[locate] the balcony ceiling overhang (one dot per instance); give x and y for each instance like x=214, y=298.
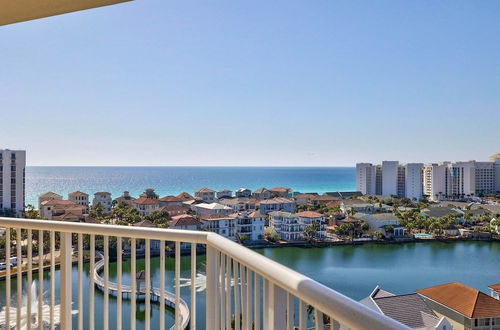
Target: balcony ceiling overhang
x=15, y=11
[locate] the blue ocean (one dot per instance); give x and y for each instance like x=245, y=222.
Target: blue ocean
x=173, y=180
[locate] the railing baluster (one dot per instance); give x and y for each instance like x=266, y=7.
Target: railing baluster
x=228, y=293
x=265, y=303
x=243, y=296
x=249, y=300
x=162, y=285
x=319, y=319
x=52, y=277
x=193, y=286
x=290, y=312
x=19, y=273
x=217, y=299
x=277, y=308
x=211, y=289
x=237, y=299
x=256, y=301
x=91, y=283
x=105, y=318
x=29, y=282
x=302, y=315
x=40, y=279
x=7, y=277
x=80, y=281
x=119, y=284
x=147, y=296
x=222, y=288
x=65, y=281
x=132, y=282
x=177, y=285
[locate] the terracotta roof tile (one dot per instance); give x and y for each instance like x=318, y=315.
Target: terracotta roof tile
x=185, y=196
x=204, y=190
x=463, y=299
x=171, y=199
x=495, y=287
x=184, y=220
x=146, y=201
x=55, y=202
x=309, y=214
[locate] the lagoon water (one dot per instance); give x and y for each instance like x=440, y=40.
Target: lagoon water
x=173, y=180
x=351, y=270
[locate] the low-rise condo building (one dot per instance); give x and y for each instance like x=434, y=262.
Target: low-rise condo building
x=286, y=225
x=465, y=308
x=206, y=195
x=124, y=199
x=243, y=192
x=48, y=196
x=315, y=219
x=290, y=226
x=240, y=204
x=249, y=225
x=277, y=204
x=64, y=210
x=80, y=198
x=261, y=193
x=186, y=222
x=280, y=192
x=205, y=209
x=225, y=193
x=170, y=200
x=103, y=199
x=146, y=206
x=221, y=224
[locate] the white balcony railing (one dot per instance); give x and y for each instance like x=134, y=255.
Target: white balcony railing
x=239, y=281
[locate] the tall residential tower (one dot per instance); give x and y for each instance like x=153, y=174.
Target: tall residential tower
x=12, y=180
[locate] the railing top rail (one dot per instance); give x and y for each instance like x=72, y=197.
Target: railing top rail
x=347, y=311
x=189, y=236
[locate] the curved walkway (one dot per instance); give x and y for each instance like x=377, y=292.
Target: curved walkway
x=155, y=293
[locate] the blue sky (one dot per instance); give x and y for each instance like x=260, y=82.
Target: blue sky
x=296, y=83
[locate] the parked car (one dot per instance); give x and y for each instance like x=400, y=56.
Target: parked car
x=3, y=266
x=13, y=261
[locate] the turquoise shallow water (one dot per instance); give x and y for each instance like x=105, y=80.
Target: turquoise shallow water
x=173, y=180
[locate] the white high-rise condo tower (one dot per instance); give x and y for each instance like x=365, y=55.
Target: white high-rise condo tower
x=12, y=181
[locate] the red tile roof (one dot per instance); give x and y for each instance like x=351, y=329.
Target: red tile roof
x=146, y=201
x=184, y=220
x=280, y=189
x=144, y=223
x=495, y=287
x=78, y=193
x=185, y=196
x=55, y=202
x=276, y=200
x=204, y=190
x=171, y=199
x=309, y=214
x=463, y=299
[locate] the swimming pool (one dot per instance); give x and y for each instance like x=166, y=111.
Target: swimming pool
x=423, y=235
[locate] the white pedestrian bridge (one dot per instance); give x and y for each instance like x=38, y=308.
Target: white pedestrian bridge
x=263, y=293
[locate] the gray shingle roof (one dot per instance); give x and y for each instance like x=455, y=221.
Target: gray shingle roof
x=409, y=309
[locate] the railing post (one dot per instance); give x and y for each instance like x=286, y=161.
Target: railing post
x=65, y=280
x=211, y=298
